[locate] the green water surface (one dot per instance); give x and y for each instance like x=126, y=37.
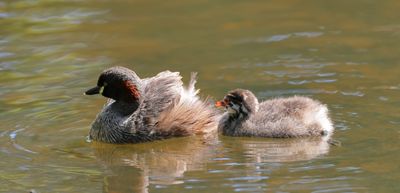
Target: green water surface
x=343, y=53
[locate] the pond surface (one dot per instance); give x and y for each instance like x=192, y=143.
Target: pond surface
x=345, y=54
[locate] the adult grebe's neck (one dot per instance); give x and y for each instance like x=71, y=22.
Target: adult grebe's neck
x=124, y=108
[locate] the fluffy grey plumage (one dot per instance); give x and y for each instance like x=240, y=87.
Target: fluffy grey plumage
x=280, y=118
x=141, y=110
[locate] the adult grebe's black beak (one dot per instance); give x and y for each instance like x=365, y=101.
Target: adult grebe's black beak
x=94, y=90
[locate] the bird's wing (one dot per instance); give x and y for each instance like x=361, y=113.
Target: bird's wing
x=159, y=93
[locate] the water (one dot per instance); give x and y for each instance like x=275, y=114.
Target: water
x=342, y=53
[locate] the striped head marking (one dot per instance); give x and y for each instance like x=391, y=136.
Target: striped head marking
x=239, y=101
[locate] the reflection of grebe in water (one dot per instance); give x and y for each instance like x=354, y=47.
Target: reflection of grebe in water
x=132, y=168
x=261, y=150
x=261, y=159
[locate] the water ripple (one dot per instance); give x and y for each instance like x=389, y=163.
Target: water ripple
x=13, y=136
x=339, y=189
x=274, y=38
x=6, y=54
x=296, y=74
x=272, y=93
x=248, y=178
x=325, y=80
x=353, y=93
x=314, y=180
x=311, y=167
x=298, y=82
x=308, y=34
x=326, y=74
x=4, y=15
x=297, y=64
x=282, y=37
x=383, y=98
x=351, y=169
x=341, y=126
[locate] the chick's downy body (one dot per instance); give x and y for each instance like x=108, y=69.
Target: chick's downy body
x=278, y=118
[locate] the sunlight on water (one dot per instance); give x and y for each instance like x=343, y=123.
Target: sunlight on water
x=343, y=54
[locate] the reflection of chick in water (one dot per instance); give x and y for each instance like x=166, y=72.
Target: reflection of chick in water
x=134, y=167
x=279, y=150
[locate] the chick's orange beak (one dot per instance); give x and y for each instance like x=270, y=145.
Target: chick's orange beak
x=220, y=104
